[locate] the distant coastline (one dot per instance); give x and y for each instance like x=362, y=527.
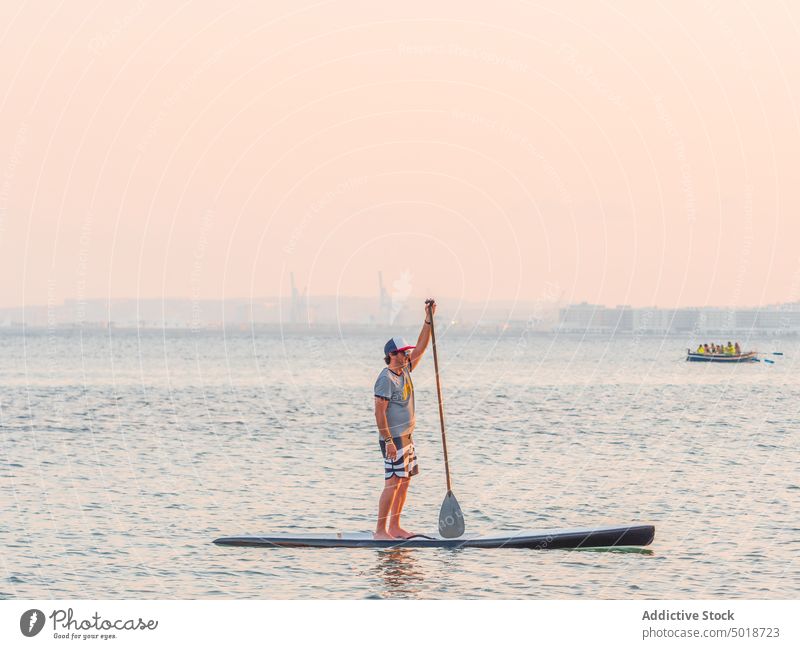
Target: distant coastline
x=328, y=314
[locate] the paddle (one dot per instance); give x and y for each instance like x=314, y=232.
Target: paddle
x=451, y=519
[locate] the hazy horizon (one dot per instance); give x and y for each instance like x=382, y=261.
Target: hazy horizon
x=615, y=154
x=410, y=301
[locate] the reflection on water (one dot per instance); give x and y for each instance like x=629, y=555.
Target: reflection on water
x=401, y=573
x=644, y=551
x=123, y=455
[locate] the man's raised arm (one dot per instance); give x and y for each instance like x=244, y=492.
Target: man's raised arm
x=424, y=336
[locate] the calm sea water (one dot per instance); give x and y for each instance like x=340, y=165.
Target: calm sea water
x=123, y=455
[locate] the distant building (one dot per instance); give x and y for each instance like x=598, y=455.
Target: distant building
x=650, y=320
x=595, y=318
x=298, y=311
x=685, y=320
x=717, y=320
x=582, y=317
x=620, y=319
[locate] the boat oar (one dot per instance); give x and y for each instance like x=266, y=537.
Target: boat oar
x=451, y=519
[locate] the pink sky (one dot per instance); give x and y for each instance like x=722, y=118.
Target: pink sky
x=636, y=153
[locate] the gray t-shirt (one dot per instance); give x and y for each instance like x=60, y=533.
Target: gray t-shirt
x=399, y=391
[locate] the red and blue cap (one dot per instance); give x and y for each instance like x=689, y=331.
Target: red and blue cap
x=396, y=344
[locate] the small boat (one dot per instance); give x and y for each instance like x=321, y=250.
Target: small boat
x=721, y=358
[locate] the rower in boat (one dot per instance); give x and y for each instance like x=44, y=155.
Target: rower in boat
x=724, y=353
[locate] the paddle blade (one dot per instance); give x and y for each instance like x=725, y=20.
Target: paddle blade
x=451, y=520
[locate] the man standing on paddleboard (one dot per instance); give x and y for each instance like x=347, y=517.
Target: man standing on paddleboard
x=394, y=414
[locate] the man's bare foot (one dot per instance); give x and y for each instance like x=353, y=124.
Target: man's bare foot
x=382, y=536
x=400, y=533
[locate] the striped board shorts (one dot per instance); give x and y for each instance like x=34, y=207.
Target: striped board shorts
x=405, y=464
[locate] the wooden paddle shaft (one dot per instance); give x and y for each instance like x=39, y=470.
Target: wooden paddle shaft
x=439, y=395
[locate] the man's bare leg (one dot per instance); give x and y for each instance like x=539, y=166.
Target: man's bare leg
x=388, y=496
x=397, y=507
